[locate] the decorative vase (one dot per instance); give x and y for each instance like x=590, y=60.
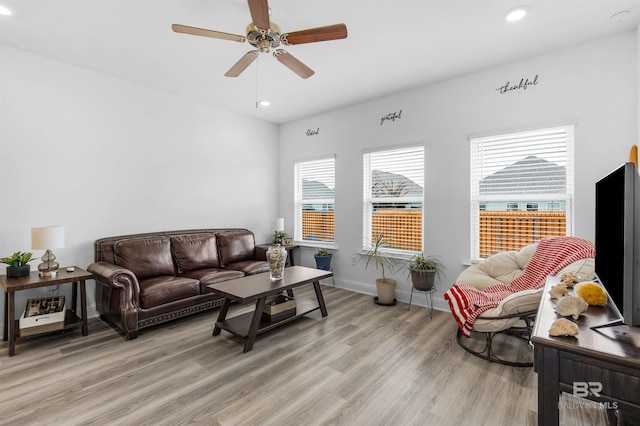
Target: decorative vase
x=276, y=257
x=18, y=271
x=386, y=291
x=323, y=262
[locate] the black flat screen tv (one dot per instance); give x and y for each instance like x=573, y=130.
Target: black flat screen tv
x=618, y=240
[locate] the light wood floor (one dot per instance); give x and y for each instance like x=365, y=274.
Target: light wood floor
x=364, y=364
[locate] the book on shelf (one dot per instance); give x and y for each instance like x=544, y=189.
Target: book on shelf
x=44, y=306
x=42, y=314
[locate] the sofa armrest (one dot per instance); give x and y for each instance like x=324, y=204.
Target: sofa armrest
x=261, y=253
x=120, y=299
x=115, y=276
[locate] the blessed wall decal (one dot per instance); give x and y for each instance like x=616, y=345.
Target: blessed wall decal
x=391, y=116
x=311, y=132
x=524, y=83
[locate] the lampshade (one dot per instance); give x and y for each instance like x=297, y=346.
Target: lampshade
x=47, y=237
x=280, y=224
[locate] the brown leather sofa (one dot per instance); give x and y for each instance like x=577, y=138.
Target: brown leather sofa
x=146, y=279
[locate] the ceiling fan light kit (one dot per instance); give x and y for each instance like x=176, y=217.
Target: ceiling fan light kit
x=266, y=36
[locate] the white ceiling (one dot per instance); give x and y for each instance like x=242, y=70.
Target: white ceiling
x=392, y=45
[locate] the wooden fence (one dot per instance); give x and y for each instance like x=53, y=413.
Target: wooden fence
x=512, y=230
x=499, y=230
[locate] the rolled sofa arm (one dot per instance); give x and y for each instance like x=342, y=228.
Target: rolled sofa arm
x=260, y=253
x=117, y=296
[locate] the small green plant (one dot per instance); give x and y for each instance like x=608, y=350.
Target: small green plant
x=18, y=259
x=421, y=262
x=321, y=252
x=381, y=259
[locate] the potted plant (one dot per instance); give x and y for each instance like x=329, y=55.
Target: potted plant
x=323, y=259
x=386, y=287
x=423, y=270
x=18, y=265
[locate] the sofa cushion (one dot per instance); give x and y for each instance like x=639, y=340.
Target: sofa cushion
x=160, y=290
x=145, y=257
x=249, y=267
x=235, y=246
x=212, y=276
x=195, y=251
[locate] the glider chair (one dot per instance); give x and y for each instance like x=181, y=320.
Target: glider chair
x=494, y=330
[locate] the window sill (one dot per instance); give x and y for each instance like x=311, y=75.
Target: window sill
x=315, y=245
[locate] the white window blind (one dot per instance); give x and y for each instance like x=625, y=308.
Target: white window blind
x=314, y=200
x=393, y=195
x=522, y=188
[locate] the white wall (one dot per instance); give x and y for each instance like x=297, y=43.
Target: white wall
x=106, y=157
x=594, y=84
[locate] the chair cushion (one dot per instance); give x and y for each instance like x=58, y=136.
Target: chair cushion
x=195, y=251
x=236, y=246
x=145, y=257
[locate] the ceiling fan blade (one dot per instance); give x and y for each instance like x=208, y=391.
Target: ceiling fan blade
x=206, y=33
x=312, y=35
x=260, y=13
x=293, y=64
x=242, y=64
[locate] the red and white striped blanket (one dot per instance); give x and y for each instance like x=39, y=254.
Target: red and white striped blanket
x=551, y=255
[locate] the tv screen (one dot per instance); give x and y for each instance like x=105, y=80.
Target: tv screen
x=618, y=239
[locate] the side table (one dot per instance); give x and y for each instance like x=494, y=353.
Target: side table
x=34, y=280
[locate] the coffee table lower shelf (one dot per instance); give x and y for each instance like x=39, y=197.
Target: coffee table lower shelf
x=240, y=325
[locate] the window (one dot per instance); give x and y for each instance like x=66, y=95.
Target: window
x=531, y=169
x=393, y=196
x=510, y=206
x=314, y=200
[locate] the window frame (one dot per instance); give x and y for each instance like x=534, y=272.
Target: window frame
x=557, y=198
x=369, y=200
x=299, y=201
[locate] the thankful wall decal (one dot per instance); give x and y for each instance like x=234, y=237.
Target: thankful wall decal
x=524, y=83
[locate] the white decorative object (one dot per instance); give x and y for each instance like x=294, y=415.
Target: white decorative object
x=571, y=305
x=563, y=327
x=276, y=257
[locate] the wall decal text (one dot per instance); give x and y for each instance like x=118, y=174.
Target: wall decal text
x=391, y=116
x=311, y=132
x=524, y=83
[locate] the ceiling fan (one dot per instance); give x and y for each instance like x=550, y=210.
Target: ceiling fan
x=266, y=36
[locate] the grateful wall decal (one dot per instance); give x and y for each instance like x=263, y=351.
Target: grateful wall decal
x=311, y=132
x=391, y=116
x=522, y=85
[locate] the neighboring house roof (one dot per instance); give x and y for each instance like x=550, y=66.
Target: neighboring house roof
x=313, y=189
x=387, y=184
x=531, y=175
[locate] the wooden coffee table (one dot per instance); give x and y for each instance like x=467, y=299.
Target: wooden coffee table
x=257, y=288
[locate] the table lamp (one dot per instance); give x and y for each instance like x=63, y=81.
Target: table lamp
x=46, y=238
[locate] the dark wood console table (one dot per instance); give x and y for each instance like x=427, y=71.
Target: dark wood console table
x=600, y=365
x=34, y=280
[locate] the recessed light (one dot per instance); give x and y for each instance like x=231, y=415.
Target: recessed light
x=265, y=103
x=516, y=14
x=5, y=10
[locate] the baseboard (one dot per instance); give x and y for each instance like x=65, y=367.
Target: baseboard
x=402, y=295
